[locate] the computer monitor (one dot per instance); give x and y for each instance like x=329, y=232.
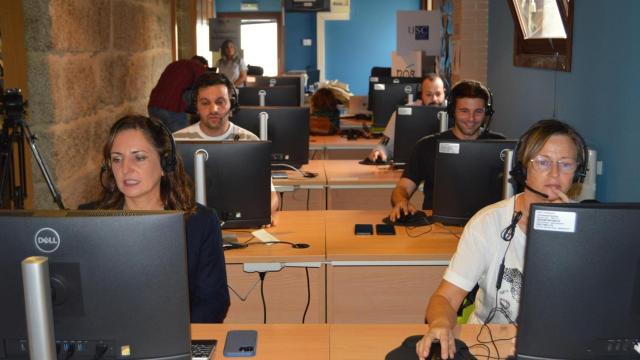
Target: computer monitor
x=580, y=294
x=373, y=80
x=237, y=179
x=386, y=97
x=468, y=176
x=118, y=279
x=287, y=129
x=412, y=124
x=286, y=95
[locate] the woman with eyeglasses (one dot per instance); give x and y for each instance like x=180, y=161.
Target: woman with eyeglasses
x=549, y=158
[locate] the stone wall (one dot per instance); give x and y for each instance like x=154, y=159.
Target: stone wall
x=471, y=40
x=89, y=63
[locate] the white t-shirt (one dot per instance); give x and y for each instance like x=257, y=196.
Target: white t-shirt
x=478, y=257
x=231, y=69
x=234, y=132
x=194, y=132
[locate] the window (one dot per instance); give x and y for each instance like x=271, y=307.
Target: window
x=543, y=35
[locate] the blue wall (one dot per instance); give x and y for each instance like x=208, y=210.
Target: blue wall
x=353, y=47
x=596, y=97
x=234, y=5
x=298, y=26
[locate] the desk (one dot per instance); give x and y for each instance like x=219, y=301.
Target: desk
x=285, y=285
x=338, y=147
x=383, y=279
x=301, y=193
x=341, y=341
x=353, y=186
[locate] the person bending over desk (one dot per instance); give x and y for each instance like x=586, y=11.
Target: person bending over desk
x=432, y=94
x=470, y=105
x=216, y=101
x=550, y=157
x=141, y=171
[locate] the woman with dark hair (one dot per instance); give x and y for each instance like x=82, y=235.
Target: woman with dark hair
x=142, y=171
x=231, y=64
x=549, y=158
x=325, y=116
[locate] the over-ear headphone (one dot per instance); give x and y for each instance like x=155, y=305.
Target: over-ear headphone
x=210, y=78
x=519, y=170
x=469, y=88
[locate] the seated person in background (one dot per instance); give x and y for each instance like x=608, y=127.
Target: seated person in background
x=325, y=116
x=491, y=250
x=141, y=171
x=470, y=105
x=432, y=94
x=166, y=101
x=215, y=106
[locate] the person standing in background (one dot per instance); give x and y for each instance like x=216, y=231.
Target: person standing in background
x=231, y=64
x=167, y=100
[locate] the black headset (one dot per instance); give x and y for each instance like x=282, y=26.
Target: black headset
x=455, y=93
x=519, y=170
x=168, y=159
x=213, y=79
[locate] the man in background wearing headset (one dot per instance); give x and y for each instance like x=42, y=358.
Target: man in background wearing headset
x=549, y=158
x=469, y=103
x=432, y=94
x=216, y=101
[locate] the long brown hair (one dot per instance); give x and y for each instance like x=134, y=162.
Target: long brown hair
x=176, y=191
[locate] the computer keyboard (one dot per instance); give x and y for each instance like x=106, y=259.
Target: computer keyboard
x=203, y=349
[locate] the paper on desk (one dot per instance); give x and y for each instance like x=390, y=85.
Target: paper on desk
x=264, y=236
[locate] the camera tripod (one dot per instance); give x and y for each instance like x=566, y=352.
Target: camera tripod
x=15, y=131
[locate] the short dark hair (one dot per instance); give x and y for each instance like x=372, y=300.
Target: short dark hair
x=469, y=89
x=210, y=78
x=201, y=60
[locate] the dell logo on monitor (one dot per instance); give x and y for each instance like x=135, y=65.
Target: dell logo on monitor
x=47, y=240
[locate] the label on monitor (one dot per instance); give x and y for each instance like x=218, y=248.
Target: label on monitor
x=560, y=221
x=374, y=79
x=405, y=111
x=449, y=148
x=379, y=87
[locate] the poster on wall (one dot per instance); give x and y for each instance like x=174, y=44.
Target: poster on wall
x=419, y=30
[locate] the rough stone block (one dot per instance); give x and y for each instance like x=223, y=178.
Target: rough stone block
x=74, y=86
x=80, y=25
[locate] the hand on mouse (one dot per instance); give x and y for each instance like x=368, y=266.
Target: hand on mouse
x=444, y=335
x=402, y=208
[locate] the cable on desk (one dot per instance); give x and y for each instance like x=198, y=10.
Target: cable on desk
x=407, y=228
x=262, y=274
x=306, y=308
x=244, y=298
x=281, y=205
x=293, y=245
x=307, y=174
x=308, y=197
x=449, y=231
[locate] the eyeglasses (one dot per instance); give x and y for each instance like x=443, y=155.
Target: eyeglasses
x=543, y=164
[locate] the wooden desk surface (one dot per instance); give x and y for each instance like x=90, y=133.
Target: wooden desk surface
x=434, y=242
x=297, y=180
x=345, y=341
x=275, y=341
x=337, y=142
x=350, y=172
x=294, y=226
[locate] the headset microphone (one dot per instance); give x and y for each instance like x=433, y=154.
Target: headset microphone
x=526, y=186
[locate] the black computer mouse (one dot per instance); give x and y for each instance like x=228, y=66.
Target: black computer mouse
x=419, y=218
x=300, y=246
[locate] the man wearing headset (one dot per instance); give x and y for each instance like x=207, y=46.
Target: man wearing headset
x=550, y=157
x=469, y=103
x=432, y=94
x=214, y=105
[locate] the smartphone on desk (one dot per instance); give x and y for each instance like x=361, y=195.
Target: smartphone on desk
x=363, y=229
x=240, y=343
x=385, y=229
